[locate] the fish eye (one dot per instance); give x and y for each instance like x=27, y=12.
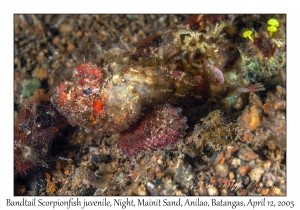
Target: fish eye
x=87, y=91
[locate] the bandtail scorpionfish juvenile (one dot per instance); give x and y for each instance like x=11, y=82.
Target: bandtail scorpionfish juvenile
x=138, y=92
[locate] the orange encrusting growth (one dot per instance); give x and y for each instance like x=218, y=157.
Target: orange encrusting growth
x=98, y=107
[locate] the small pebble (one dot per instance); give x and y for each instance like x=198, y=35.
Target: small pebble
x=256, y=173
x=243, y=170
x=235, y=162
x=66, y=172
x=218, y=158
x=221, y=170
x=142, y=190
x=40, y=73
x=159, y=175
x=70, y=47
x=276, y=190
x=264, y=191
x=231, y=175
x=212, y=191
x=272, y=146
x=64, y=28
x=268, y=179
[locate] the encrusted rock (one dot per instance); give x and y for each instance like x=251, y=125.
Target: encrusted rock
x=245, y=153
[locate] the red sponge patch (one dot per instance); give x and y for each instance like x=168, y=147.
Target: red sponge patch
x=160, y=128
